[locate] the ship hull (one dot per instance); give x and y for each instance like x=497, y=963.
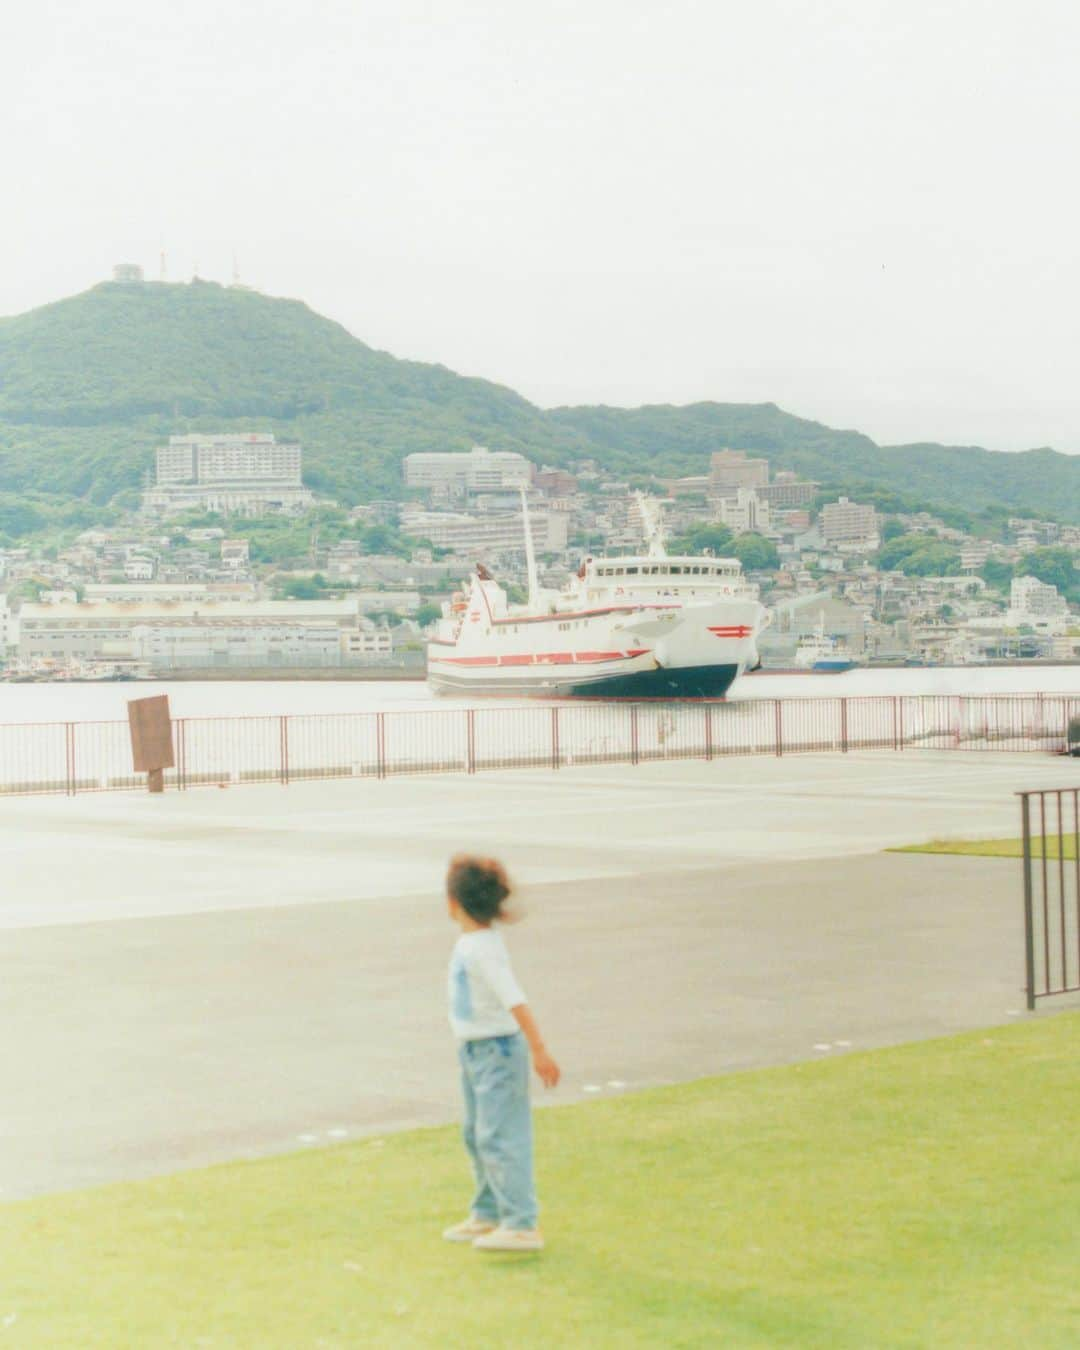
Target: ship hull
x=712, y=681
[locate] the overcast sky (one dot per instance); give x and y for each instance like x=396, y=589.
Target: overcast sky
x=862, y=210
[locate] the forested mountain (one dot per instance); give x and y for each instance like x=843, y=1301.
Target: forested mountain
x=89, y=385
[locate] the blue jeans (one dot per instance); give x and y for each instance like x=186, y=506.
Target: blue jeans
x=498, y=1129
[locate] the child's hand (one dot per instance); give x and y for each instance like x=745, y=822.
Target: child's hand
x=546, y=1068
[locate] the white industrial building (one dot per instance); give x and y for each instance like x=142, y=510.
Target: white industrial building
x=166, y=592
x=242, y=474
x=198, y=634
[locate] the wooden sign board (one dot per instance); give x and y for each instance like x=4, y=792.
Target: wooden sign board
x=151, y=733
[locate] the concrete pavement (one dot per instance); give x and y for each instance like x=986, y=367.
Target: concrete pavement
x=221, y=974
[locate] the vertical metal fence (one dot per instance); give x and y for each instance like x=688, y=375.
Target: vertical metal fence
x=77, y=757
x=1050, y=828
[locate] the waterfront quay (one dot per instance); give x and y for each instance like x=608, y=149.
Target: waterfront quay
x=203, y=976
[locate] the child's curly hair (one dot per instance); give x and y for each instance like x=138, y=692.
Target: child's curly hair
x=479, y=885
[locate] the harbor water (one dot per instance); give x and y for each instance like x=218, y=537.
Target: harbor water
x=65, y=702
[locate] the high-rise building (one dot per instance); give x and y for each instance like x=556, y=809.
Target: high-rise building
x=245, y=474
x=465, y=473
x=788, y=490
x=734, y=469
x=846, y=522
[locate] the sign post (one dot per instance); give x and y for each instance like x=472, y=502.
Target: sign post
x=151, y=739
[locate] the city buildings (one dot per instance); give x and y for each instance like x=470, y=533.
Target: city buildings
x=1034, y=604
x=451, y=476
x=484, y=535
x=735, y=469
x=787, y=490
x=232, y=474
x=173, y=595
x=847, y=523
x=744, y=512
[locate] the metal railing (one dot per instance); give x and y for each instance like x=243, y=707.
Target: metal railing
x=76, y=757
x=1050, y=827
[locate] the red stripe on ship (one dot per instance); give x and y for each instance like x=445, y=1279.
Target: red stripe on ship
x=739, y=630
x=543, y=658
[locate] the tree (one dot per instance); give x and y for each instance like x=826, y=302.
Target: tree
x=384, y=539
x=918, y=555
x=891, y=529
x=1054, y=566
x=714, y=539
x=303, y=588
x=997, y=572
x=18, y=518
x=428, y=614
x=756, y=553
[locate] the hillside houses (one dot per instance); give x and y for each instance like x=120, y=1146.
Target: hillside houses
x=891, y=585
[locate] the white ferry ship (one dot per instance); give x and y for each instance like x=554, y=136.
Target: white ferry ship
x=641, y=626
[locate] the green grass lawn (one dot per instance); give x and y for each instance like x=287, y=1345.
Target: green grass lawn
x=992, y=848
x=925, y=1196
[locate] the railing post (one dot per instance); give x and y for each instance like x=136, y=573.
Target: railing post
x=900, y=709
x=284, y=766
x=779, y=720
x=633, y=734
x=708, y=731
x=843, y=725
x=1029, y=907
x=69, y=759
x=1061, y=889
x=555, y=755
x=380, y=745
x=470, y=740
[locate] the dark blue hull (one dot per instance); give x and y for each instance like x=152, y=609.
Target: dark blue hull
x=690, y=682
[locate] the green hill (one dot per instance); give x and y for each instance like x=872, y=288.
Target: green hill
x=89, y=385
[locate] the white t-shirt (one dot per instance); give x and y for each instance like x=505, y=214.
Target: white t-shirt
x=482, y=987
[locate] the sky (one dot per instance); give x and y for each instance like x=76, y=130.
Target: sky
x=865, y=211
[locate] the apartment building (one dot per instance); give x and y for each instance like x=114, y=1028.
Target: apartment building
x=735, y=469
x=487, y=534
x=448, y=475
x=845, y=522
x=242, y=474
x=1034, y=604
x=787, y=491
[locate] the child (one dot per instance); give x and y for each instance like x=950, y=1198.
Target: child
x=493, y=1026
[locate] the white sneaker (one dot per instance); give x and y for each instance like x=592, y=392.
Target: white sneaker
x=469, y=1229
x=510, y=1240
